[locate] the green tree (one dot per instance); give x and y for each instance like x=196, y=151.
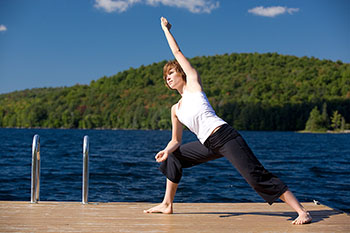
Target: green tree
x=343, y=124
x=315, y=122
x=336, y=120
x=250, y=91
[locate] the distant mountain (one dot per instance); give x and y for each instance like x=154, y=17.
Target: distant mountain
x=250, y=91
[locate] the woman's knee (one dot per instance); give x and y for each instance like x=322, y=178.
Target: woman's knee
x=172, y=168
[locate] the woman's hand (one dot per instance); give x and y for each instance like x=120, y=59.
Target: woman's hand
x=161, y=156
x=165, y=24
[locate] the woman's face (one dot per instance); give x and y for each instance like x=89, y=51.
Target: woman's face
x=174, y=79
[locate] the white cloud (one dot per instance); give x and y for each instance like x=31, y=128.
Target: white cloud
x=194, y=6
x=115, y=5
x=272, y=11
x=3, y=28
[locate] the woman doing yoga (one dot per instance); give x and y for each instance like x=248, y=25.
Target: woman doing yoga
x=216, y=139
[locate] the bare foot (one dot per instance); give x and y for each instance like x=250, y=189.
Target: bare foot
x=161, y=208
x=303, y=218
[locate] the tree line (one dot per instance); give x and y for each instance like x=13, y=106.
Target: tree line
x=321, y=122
x=251, y=91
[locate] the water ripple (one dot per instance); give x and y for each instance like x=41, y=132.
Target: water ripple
x=122, y=167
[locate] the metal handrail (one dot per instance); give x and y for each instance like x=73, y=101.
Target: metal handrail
x=85, y=170
x=35, y=181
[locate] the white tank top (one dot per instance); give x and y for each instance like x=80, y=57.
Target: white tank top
x=196, y=113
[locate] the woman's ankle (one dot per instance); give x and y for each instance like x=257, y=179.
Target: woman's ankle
x=167, y=203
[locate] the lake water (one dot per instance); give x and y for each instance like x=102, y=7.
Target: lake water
x=123, y=169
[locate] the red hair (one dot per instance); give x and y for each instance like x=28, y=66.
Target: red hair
x=172, y=65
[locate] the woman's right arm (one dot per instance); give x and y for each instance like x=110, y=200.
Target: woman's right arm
x=176, y=137
x=192, y=77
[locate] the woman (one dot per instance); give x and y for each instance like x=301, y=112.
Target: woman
x=216, y=139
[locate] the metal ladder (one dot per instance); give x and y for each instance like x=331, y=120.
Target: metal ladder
x=35, y=179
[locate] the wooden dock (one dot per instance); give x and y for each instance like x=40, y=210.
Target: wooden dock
x=188, y=217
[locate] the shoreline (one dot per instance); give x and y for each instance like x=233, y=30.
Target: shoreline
x=101, y=128
x=326, y=132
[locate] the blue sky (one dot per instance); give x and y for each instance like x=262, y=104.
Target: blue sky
x=52, y=43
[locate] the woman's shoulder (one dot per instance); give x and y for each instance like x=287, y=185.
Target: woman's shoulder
x=175, y=106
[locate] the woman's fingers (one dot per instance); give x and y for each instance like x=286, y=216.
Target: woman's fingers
x=161, y=156
x=164, y=20
x=165, y=23
x=157, y=155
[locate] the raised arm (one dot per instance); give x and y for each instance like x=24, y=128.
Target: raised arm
x=192, y=78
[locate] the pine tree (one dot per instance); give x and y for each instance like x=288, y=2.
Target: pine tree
x=343, y=124
x=315, y=121
x=336, y=120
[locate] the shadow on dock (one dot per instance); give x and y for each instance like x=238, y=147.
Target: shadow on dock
x=317, y=215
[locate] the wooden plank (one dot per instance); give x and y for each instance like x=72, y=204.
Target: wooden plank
x=188, y=217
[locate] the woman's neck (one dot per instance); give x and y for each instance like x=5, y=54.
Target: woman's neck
x=181, y=89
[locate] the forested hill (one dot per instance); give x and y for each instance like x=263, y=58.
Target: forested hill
x=249, y=91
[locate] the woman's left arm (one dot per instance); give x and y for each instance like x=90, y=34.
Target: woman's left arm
x=192, y=77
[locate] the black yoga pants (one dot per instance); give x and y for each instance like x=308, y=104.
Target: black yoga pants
x=228, y=143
